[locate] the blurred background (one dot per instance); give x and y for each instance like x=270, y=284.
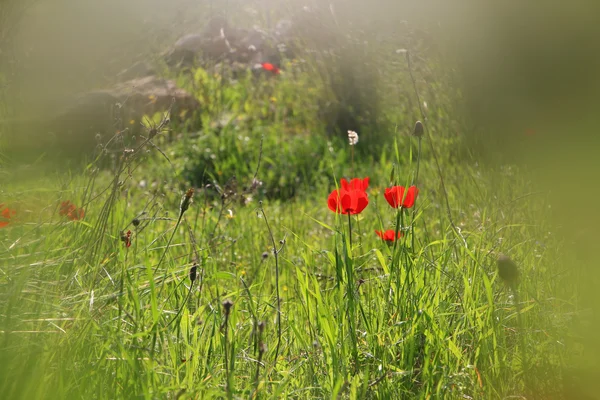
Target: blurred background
x=519, y=83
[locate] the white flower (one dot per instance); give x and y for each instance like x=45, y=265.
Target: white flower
x=352, y=138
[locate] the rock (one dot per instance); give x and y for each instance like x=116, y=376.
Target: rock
x=137, y=70
x=212, y=43
x=102, y=112
x=149, y=95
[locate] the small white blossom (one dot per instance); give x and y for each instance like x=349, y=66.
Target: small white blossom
x=352, y=138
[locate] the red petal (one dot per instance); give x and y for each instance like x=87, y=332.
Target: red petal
x=348, y=202
x=361, y=201
x=344, y=184
x=356, y=184
x=365, y=183
x=411, y=196
x=333, y=201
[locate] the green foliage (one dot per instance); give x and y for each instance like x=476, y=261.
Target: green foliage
x=256, y=120
x=83, y=315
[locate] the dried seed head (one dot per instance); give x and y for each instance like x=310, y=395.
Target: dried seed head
x=135, y=222
x=227, y=304
x=507, y=269
x=261, y=327
x=193, y=272
x=352, y=138
x=419, y=129
x=187, y=200
x=262, y=348
x=265, y=255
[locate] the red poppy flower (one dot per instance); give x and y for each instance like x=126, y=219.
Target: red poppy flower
x=271, y=68
x=69, y=210
x=355, y=184
x=389, y=235
x=351, y=198
x=66, y=207
x=396, y=197
x=5, y=215
x=76, y=214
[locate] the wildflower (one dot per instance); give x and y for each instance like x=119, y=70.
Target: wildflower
x=389, y=235
x=352, y=138
x=507, y=269
x=5, y=215
x=396, y=197
x=71, y=211
x=351, y=198
x=77, y=214
x=355, y=184
x=126, y=238
x=271, y=68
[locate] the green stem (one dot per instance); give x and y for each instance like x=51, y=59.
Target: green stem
x=414, y=211
x=350, y=232
x=521, y=338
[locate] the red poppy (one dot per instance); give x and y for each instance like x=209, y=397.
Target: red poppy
x=77, y=214
x=389, y=235
x=271, y=68
x=5, y=215
x=69, y=210
x=66, y=207
x=355, y=184
x=351, y=198
x=396, y=197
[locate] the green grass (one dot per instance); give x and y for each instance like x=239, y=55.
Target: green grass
x=83, y=316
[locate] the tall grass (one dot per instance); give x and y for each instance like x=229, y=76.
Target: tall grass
x=83, y=315
x=250, y=287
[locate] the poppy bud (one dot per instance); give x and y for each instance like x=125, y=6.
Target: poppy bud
x=193, y=272
x=227, y=304
x=187, y=199
x=419, y=129
x=507, y=270
x=261, y=327
x=135, y=222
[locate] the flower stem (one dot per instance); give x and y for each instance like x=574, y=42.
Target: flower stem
x=350, y=232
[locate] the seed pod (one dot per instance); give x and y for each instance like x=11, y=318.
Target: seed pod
x=507, y=269
x=187, y=199
x=419, y=129
x=261, y=327
x=193, y=272
x=227, y=304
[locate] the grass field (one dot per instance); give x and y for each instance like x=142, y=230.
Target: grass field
x=218, y=264
x=285, y=300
